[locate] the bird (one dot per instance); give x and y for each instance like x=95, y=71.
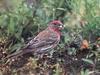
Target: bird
x=46, y=40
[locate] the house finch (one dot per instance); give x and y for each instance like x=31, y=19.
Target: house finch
x=44, y=41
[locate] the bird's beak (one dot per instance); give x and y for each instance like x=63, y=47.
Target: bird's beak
x=62, y=26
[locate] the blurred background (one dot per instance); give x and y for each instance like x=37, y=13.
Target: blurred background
x=21, y=20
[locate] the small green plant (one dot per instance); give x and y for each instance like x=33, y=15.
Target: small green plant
x=86, y=72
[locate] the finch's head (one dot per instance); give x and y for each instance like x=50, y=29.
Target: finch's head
x=56, y=24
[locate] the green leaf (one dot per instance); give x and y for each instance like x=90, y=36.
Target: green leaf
x=88, y=61
x=11, y=27
x=86, y=72
x=16, y=47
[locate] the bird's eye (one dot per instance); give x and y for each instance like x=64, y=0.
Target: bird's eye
x=60, y=26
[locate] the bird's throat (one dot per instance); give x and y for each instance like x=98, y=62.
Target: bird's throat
x=56, y=30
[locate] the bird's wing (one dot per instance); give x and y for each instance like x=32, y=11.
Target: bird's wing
x=43, y=41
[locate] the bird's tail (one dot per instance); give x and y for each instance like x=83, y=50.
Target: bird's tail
x=18, y=53
x=15, y=54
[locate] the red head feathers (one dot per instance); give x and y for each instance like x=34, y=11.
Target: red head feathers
x=56, y=25
x=55, y=22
